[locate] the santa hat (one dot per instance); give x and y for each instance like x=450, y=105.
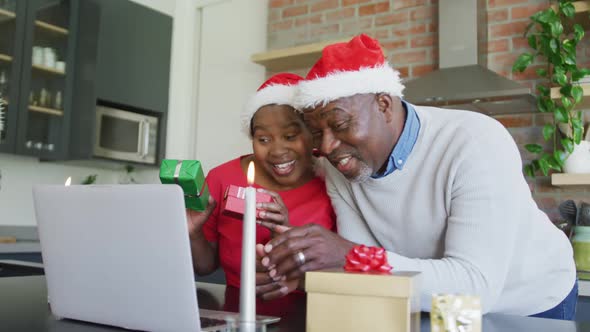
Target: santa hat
x=279, y=89
x=347, y=69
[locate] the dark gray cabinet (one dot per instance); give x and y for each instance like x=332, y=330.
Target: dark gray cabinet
x=134, y=56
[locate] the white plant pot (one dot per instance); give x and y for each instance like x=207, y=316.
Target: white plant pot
x=579, y=160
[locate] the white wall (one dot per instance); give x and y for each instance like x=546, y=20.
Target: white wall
x=224, y=33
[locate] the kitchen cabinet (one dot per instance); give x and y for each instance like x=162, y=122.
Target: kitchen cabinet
x=41, y=38
x=134, y=56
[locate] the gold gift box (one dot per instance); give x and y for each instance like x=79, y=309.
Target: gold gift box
x=455, y=313
x=355, y=301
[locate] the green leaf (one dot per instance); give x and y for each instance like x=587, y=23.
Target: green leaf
x=561, y=115
x=544, y=165
x=560, y=78
x=566, y=90
x=532, y=41
x=578, y=128
x=578, y=74
x=567, y=9
x=543, y=90
x=566, y=102
x=523, y=61
x=578, y=32
x=558, y=157
x=553, y=164
x=534, y=148
x=568, y=144
x=556, y=28
x=541, y=106
x=553, y=45
x=529, y=171
x=577, y=93
x=569, y=46
x=541, y=72
x=569, y=58
x=548, y=131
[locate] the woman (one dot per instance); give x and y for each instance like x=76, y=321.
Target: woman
x=282, y=156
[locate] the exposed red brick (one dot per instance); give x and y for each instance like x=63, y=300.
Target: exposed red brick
x=403, y=71
x=500, y=45
x=425, y=41
x=323, y=5
x=527, y=11
x=542, y=119
x=508, y=29
x=397, y=4
x=313, y=19
x=390, y=19
x=295, y=11
x=325, y=30
x=280, y=3
x=373, y=9
x=520, y=120
x=421, y=70
x=357, y=25
x=500, y=3
x=353, y=2
x=520, y=44
x=273, y=15
x=381, y=34
x=284, y=25
x=497, y=15
x=395, y=45
x=547, y=203
x=340, y=14
x=432, y=27
x=423, y=13
x=414, y=30
x=506, y=59
x=409, y=57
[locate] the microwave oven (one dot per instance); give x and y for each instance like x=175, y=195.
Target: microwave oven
x=125, y=135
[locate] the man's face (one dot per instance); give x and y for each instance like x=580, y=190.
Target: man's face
x=352, y=133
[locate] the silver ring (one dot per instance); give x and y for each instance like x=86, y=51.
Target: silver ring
x=300, y=257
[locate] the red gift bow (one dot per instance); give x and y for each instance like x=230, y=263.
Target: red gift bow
x=364, y=259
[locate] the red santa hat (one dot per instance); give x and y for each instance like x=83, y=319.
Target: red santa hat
x=279, y=89
x=346, y=69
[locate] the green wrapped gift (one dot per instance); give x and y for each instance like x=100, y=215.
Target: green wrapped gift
x=188, y=174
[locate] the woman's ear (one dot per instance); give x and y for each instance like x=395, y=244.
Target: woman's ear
x=385, y=103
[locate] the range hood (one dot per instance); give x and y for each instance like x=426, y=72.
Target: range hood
x=463, y=80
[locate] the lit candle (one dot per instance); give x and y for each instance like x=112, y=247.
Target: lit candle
x=247, y=280
x=68, y=181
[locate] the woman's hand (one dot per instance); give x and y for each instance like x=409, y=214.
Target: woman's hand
x=196, y=219
x=274, y=212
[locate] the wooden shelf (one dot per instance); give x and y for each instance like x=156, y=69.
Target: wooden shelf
x=566, y=179
x=297, y=57
x=51, y=27
x=584, y=104
x=46, y=110
x=49, y=70
x=6, y=13
x=5, y=57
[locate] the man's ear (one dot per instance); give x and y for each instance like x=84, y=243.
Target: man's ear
x=385, y=103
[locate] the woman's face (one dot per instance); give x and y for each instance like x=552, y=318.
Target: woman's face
x=282, y=145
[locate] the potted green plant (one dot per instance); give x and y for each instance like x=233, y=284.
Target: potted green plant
x=551, y=41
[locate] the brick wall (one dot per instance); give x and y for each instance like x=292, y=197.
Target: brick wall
x=408, y=32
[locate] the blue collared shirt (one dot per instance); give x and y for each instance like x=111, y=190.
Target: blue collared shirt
x=405, y=144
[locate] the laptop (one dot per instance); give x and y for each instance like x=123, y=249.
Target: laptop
x=120, y=255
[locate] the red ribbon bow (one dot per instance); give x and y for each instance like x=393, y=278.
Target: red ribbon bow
x=364, y=259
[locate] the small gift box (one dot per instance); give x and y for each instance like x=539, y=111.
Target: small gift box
x=375, y=300
x=234, y=202
x=455, y=313
x=188, y=174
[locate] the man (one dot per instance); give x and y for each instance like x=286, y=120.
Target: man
x=441, y=190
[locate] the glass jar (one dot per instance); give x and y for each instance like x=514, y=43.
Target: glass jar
x=581, y=244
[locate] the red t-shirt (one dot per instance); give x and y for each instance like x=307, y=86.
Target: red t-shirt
x=307, y=204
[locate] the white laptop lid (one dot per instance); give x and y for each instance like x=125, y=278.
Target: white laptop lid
x=118, y=255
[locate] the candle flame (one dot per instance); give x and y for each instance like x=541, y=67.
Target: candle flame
x=68, y=181
x=251, y=173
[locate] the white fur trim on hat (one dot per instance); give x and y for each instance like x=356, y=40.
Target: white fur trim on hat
x=273, y=94
x=322, y=90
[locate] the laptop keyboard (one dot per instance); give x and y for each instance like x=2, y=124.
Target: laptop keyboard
x=208, y=322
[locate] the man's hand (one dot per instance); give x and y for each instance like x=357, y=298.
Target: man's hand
x=196, y=219
x=311, y=247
